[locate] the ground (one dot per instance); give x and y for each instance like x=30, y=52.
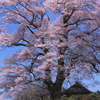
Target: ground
x=92, y=96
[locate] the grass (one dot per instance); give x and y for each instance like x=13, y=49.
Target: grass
x=92, y=96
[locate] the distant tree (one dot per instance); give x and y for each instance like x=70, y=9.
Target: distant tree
x=98, y=92
x=67, y=47
x=32, y=93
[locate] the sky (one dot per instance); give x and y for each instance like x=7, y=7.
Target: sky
x=8, y=51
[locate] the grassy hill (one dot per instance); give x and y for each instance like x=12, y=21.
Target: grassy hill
x=92, y=96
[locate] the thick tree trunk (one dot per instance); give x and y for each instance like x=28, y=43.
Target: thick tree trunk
x=55, y=93
x=55, y=90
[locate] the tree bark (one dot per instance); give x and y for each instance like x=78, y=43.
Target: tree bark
x=55, y=88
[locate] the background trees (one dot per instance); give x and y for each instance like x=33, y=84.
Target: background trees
x=32, y=93
x=68, y=47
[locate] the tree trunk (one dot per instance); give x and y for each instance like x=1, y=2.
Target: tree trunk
x=55, y=90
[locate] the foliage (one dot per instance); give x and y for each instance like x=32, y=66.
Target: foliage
x=91, y=96
x=65, y=48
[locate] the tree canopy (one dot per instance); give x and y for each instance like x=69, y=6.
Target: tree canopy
x=67, y=47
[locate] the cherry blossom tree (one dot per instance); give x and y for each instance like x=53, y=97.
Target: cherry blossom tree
x=53, y=50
